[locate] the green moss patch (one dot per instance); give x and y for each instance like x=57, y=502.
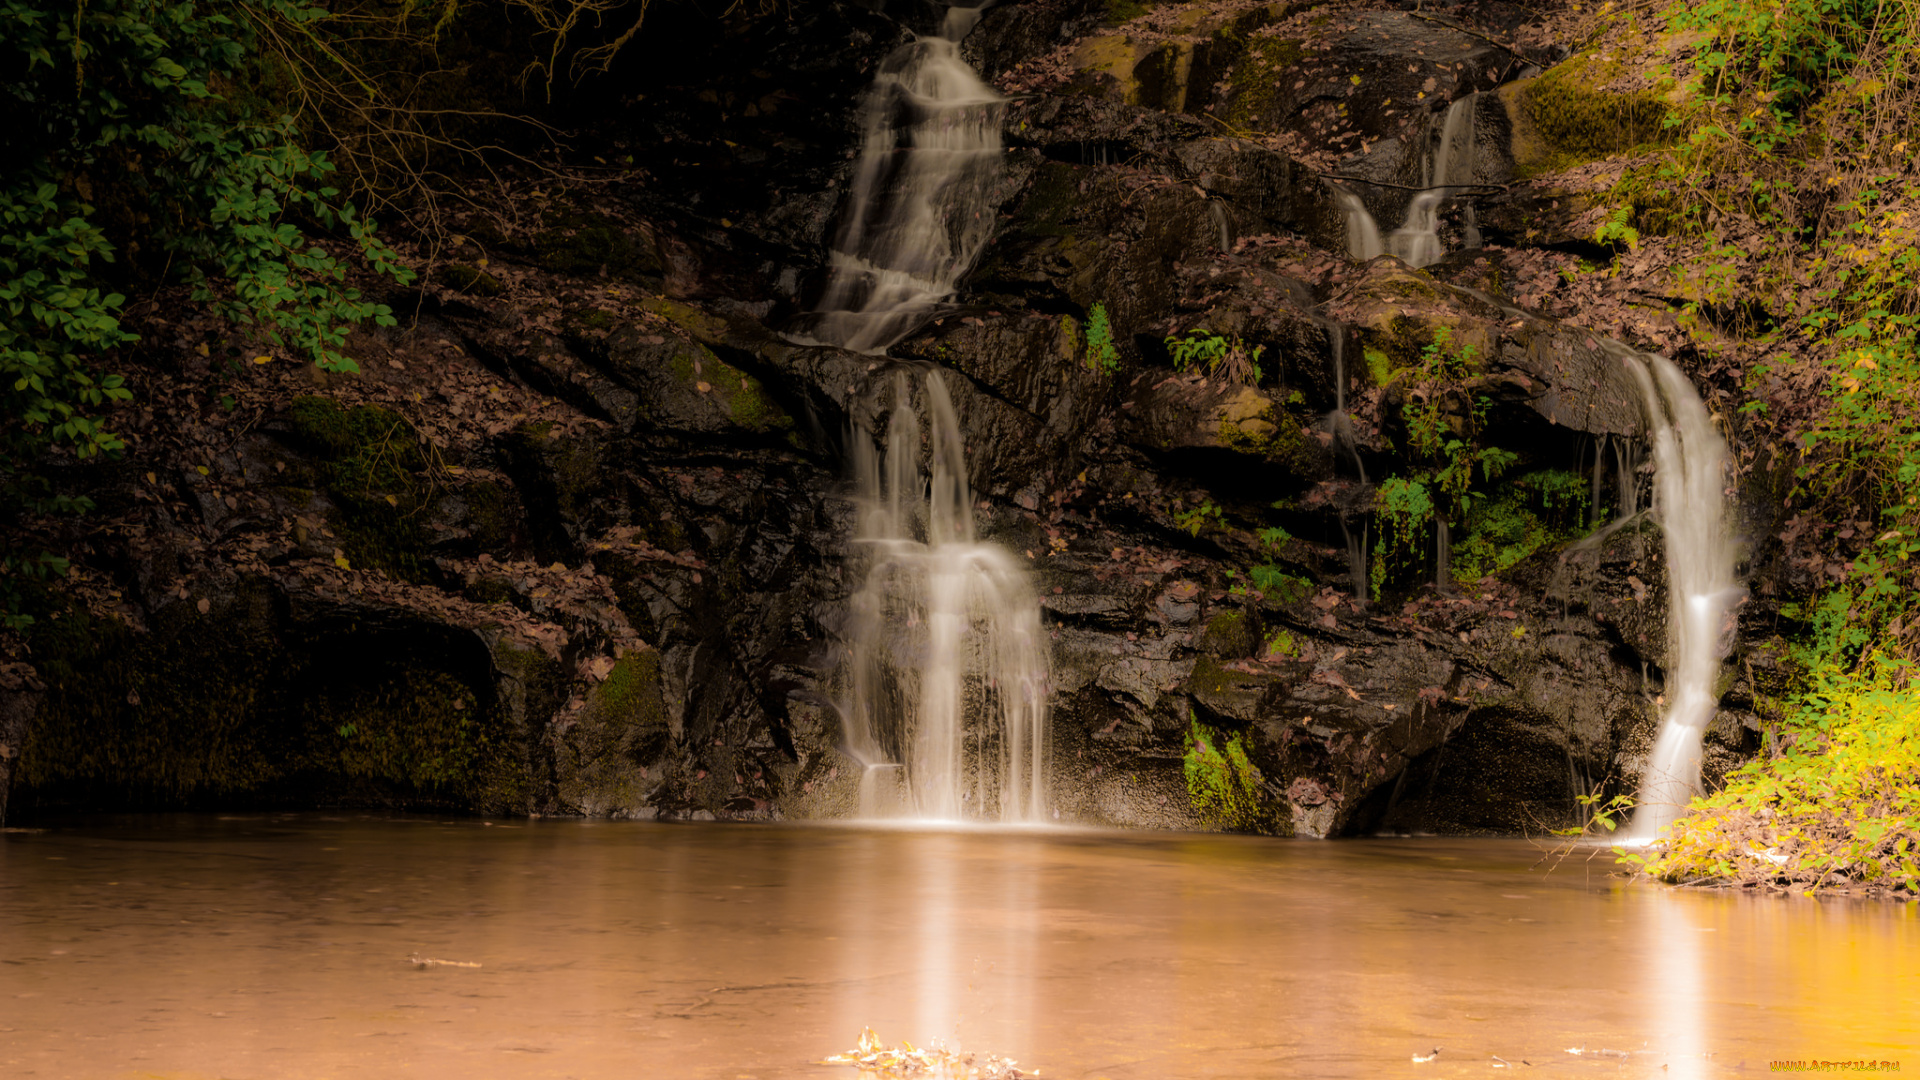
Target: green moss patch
x=584, y=244
x=470, y=280
x=369, y=465
x=1223, y=785
x=1567, y=118
x=1524, y=515
x=240, y=705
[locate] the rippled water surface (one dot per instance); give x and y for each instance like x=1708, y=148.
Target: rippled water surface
x=279, y=947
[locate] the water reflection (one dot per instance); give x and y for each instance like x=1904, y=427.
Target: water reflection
x=257, y=948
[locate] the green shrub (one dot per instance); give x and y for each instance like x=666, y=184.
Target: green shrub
x=1837, y=802
x=1101, y=355
x=1444, y=421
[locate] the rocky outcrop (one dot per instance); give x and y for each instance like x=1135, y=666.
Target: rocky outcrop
x=602, y=565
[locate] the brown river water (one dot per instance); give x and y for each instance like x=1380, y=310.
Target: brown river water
x=281, y=947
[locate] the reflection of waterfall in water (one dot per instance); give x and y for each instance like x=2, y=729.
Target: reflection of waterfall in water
x=1448, y=162
x=1690, y=500
x=919, y=207
x=945, y=630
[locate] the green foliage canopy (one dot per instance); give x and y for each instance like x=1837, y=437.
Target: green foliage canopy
x=138, y=104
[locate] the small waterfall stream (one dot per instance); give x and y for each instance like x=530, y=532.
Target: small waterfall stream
x=1691, y=498
x=1340, y=425
x=1690, y=502
x=919, y=208
x=1363, y=234
x=946, y=629
x=1447, y=163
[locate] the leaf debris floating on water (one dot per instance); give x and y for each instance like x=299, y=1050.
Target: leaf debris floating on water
x=875, y=1057
x=428, y=961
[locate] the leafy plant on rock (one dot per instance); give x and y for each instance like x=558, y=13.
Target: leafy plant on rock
x=1101, y=355
x=1228, y=358
x=1445, y=422
x=1196, y=519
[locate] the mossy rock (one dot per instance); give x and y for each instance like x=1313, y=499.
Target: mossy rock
x=470, y=280
x=369, y=464
x=608, y=757
x=1230, y=635
x=416, y=729
x=584, y=244
x=559, y=480
x=1254, y=97
x=491, y=517
x=491, y=589
x=1223, y=785
x=378, y=444
x=1272, y=434
x=247, y=705
x=1566, y=116
x=703, y=325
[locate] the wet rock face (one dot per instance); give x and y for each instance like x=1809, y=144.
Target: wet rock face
x=1194, y=538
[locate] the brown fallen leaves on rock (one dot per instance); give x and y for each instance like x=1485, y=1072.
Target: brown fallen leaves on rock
x=875, y=1057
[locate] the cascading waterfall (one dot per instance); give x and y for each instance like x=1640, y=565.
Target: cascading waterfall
x=1690, y=500
x=920, y=205
x=1448, y=163
x=945, y=630
x=947, y=661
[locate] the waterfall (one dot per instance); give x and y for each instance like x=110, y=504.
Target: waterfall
x=1690, y=501
x=947, y=663
x=1338, y=422
x=920, y=206
x=1452, y=159
x=1599, y=470
x=1356, y=557
x=1417, y=241
x=1341, y=426
x=1626, y=460
x=1447, y=163
x=1363, y=235
x=946, y=630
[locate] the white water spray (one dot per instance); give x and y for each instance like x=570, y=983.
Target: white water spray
x=949, y=665
x=1690, y=501
x=920, y=205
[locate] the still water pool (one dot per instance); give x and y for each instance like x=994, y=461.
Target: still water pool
x=284, y=947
